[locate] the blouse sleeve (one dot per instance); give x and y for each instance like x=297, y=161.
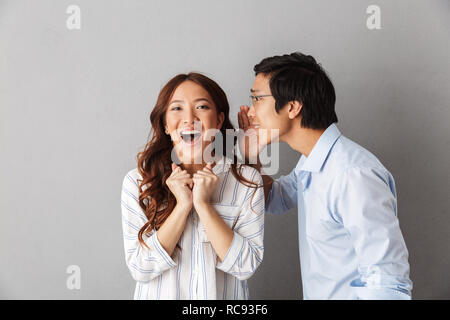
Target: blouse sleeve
x=247, y=248
x=144, y=264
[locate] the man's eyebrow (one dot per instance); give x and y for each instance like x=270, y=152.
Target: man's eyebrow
x=254, y=90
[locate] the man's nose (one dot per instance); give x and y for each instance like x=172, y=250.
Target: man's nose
x=251, y=112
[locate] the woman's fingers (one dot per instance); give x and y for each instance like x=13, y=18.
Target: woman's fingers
x=175, y=170
x=208, y=166
x=185, y=181
x=205, y=172
x=204, y=175
x=200, y=174
x=200, y=177
x=182, y=175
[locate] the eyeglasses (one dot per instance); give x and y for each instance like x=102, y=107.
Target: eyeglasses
x=254, y=99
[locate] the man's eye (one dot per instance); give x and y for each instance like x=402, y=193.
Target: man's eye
x=257, y=98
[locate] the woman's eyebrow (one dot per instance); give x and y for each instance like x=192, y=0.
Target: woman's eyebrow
x=196, y=100
x=176, y=101
x=201, y=99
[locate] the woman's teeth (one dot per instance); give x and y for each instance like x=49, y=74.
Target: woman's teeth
x=190, y=135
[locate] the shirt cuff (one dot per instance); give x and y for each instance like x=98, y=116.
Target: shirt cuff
x=365, y=293
x=277, y=205
x=233, y=253
x=160, y=253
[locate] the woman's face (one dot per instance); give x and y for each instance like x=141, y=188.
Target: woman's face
x=189, y=115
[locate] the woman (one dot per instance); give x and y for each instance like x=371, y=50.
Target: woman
x=193, y=231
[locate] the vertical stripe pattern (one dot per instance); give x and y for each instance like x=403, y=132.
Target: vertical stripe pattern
x=195, y=272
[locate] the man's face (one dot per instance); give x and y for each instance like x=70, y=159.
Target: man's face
x=262, y=112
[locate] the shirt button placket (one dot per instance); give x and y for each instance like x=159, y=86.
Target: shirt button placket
x=195, y=249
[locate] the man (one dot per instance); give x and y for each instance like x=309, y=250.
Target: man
x=351, y=246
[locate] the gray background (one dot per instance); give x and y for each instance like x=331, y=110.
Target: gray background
x=74, y=109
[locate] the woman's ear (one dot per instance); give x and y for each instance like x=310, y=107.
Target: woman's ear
x=220, y=120
x=294, y=109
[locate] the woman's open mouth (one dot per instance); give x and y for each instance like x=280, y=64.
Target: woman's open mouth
x=191, y=137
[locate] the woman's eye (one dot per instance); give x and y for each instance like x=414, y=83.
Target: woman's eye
x=203, y=107
x=175, y=108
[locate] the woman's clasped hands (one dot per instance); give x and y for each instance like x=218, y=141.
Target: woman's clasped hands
x=192, y=190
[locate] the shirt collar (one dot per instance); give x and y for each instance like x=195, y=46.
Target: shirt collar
x=314, y=162
x=222, y=164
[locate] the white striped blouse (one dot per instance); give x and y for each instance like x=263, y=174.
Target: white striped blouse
x=193, y=271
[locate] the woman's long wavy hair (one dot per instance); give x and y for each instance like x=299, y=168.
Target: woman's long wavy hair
x=154, y=162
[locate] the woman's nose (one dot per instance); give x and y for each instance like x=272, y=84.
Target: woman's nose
x=190, y=118
x=196, y=123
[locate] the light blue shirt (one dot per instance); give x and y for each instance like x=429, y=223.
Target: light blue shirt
x=350, y=242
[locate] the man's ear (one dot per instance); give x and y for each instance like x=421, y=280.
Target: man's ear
x=220, y=120
x=294, y=108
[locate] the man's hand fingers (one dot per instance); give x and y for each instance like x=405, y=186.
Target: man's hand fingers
x=245, y=119
x=239, y=120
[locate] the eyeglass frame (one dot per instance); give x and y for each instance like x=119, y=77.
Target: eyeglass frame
x=253, y=98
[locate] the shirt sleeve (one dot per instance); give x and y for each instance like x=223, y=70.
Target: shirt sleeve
x=368, y=207
x=144, y=264
x=283, y=194
x=247, y=247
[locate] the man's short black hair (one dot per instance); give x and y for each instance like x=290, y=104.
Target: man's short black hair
x=298, y=77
